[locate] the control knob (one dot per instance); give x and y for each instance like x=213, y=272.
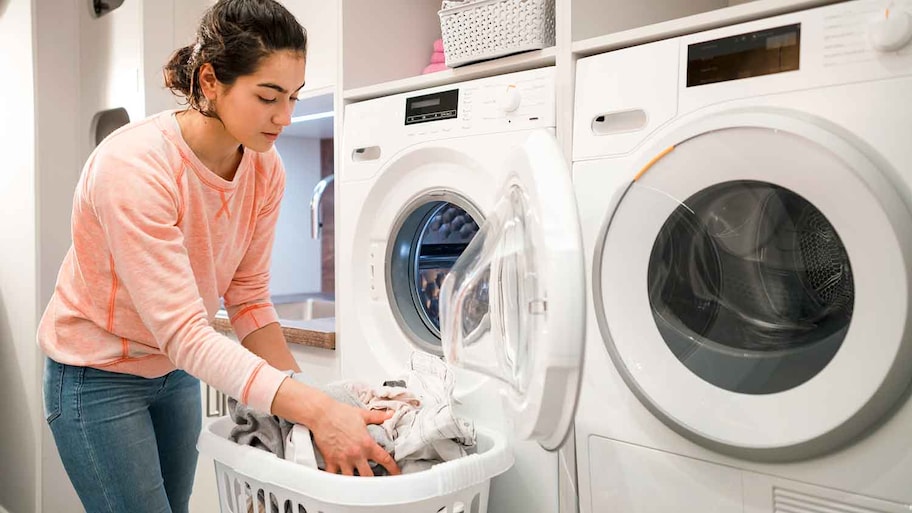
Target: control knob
x=510, y=99
x=891, y=30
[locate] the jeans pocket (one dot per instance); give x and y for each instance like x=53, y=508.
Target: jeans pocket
x=53, y=389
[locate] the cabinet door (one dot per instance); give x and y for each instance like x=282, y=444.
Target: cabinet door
x=320, y=19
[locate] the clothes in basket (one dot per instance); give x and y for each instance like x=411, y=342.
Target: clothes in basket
x=423, y=430
x=272, y=433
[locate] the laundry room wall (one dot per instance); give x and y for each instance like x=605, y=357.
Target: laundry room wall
x=296, y=256
x=62, y=140
x=328, y=237
x=18, y=358
x=110, y=63
x=82, y=65
x=605, y=17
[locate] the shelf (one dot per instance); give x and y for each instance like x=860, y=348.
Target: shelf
x=314, y=104
x=749, y=11
x=313, y=101
x=509, y=64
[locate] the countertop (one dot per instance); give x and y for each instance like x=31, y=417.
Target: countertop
x=320, y=333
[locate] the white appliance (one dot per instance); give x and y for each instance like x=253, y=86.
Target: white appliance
x=423, y=175
x=745, y=201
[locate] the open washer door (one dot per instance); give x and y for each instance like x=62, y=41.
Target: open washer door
x=513, y=305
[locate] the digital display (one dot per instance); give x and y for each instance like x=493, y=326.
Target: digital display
x=426, y=103
x=431, y=107
x=763, y=52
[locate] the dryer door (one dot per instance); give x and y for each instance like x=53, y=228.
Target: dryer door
x=764, y=264
x=513, y=305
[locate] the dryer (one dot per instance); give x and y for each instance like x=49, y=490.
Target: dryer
x=466, y=183
x=745, y=197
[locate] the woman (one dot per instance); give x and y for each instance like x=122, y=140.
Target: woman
x=171, y=214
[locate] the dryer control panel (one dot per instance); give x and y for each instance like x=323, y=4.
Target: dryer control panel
x=625, y=95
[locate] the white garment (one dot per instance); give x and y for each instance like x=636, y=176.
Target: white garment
x=299, y=446
x=423, y=429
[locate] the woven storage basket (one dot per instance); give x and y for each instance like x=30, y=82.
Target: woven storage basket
x=486, y=29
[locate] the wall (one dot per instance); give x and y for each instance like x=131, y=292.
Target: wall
x=157, y=45
x=61, y=141
x=328, y=237
x=296, y=256
x=167, y=26
x=110, y=64
x=608, y=16
x=18, y=358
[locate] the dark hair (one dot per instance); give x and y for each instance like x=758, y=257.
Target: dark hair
x=233, y=36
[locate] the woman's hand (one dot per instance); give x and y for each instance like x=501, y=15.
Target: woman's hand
x=341, y=436
x=339, y=430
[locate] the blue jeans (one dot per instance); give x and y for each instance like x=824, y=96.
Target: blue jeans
x=128, y=443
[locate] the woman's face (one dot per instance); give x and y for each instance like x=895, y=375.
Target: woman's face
x=258, y=106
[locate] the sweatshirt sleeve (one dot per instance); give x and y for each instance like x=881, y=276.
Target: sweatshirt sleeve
x=136, y=203
x=247, y=299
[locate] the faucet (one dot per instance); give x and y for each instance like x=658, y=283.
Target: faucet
x=316, y=218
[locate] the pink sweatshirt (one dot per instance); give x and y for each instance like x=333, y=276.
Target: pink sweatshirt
x=158, y=238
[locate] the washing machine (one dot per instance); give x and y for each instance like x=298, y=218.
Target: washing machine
x=745, y=200
x=456, y=209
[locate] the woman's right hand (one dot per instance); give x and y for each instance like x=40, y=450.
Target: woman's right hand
x=339, y=430
x=341, y=436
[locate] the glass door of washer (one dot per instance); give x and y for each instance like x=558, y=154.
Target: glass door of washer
x=513, y=305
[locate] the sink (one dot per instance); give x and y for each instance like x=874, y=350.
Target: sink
x=311, y=308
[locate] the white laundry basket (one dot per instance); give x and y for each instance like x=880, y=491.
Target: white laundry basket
x=485, y=29
x=243, y=473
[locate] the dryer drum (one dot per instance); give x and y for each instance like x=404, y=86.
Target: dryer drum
x=749, y=270
x=826, y=265
x=803, y=269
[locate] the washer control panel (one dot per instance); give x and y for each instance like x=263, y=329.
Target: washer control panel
x=518, y=101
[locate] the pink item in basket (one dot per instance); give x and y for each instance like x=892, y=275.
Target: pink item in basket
x=437, y=57
x=438, y=45
x=433, y=68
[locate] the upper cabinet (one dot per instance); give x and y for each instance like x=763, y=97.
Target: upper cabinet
x=321, y=20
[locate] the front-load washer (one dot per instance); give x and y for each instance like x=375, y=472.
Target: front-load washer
x=465, y=184
x=745, y=201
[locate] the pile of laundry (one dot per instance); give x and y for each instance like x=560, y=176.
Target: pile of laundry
x=422, y=431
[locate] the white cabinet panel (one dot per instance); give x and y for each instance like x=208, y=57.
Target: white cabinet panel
x=320, y=19
x=626, y=478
